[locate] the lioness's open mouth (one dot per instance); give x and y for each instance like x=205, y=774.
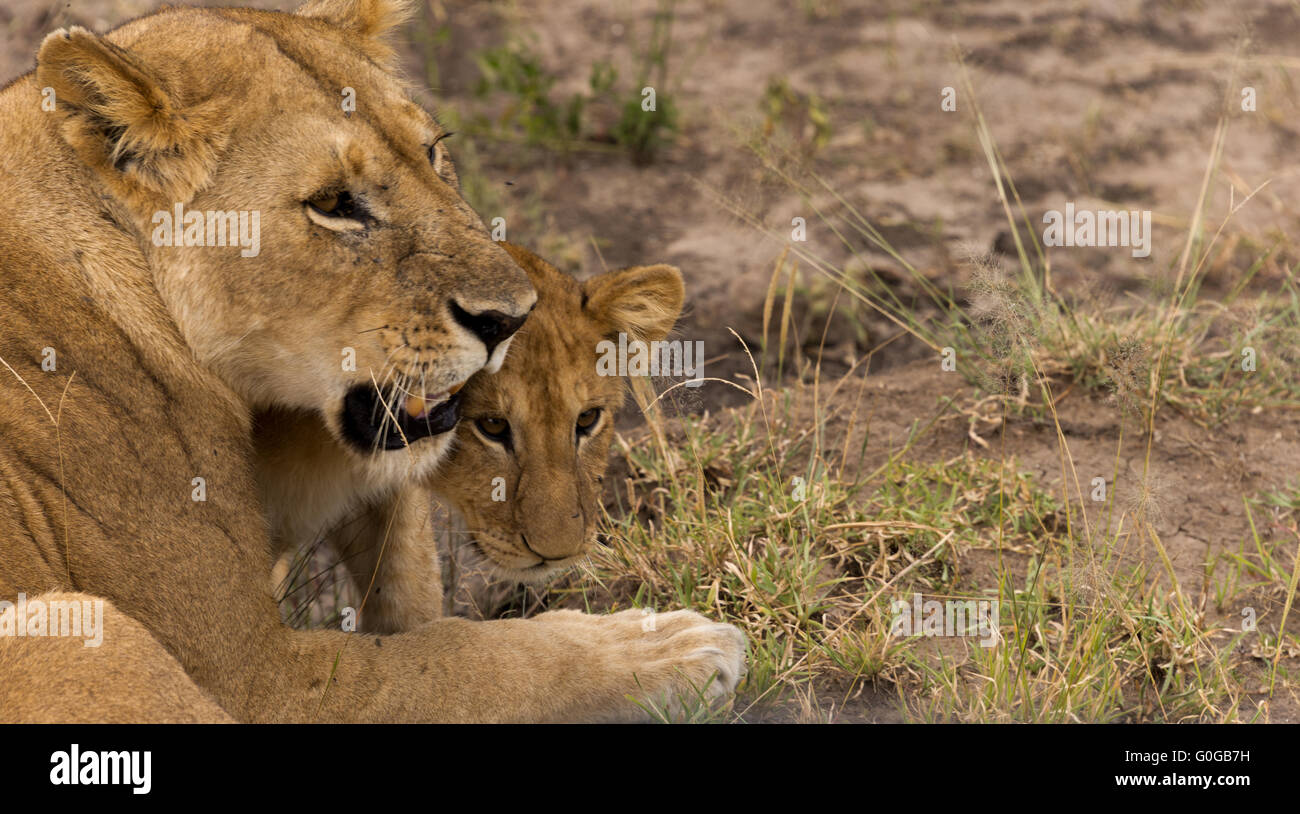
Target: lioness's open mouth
x=368, y=423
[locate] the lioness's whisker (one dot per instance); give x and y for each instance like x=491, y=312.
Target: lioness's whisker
x=424, y=388
x=385, y=372
x=392, y=405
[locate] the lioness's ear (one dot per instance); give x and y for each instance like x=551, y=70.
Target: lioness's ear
x=120, y=118
x=643, y=301
x=370, y=19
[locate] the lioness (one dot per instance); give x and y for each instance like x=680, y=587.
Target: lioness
x=133, y=367
x=523, y=476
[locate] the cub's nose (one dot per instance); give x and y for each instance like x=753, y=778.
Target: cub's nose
x=491, y=327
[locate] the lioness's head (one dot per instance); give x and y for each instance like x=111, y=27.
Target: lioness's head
x=525, y=469
x=300, y=214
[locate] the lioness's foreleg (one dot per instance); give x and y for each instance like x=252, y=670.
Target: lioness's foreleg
x=559, y=666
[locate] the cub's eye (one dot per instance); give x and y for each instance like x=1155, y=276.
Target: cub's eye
x=498, y=429
x=337, y=210
x=587, y=421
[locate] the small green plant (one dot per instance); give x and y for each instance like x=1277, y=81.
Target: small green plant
x=641, y=120
x=648, y=120
x=804, y=115
x=517, y=74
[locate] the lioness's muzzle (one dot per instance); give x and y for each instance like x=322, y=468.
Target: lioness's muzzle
x=370, y=423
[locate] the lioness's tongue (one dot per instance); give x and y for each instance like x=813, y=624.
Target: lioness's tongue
x=418, y=407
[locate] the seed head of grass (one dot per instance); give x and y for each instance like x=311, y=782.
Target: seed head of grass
x=1089, y=583
x=1145, y=498
x=1007, y=379
x=1005, y=314
x=1129, y=377
x=1005, y=327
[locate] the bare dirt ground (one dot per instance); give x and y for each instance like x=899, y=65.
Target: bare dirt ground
x=1109, y=105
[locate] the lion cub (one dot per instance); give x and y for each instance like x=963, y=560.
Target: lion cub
x=527, y=458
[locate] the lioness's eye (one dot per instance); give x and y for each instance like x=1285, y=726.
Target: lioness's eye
x=433, y=149
x=441, y=162
x=325, y=204
x=494, y=428
x=339, y=205
x=587, y=420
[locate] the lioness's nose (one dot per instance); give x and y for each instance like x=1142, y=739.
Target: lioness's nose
x=491, y=327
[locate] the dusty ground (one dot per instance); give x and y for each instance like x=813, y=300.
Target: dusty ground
x=1107, y=104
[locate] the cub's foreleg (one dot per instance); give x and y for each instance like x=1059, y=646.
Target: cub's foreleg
x=389, y=550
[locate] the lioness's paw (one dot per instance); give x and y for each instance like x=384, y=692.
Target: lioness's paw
x=681, y=660
x=643, y=665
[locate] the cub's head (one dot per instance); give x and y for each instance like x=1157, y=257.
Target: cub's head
x=299, y=213
x=525, y=469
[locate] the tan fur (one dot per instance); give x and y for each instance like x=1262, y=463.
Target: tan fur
x=60, y=680
x=165, y=353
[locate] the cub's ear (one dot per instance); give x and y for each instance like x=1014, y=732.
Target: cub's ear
x=369, y=19
x=121, y=119
x=643, y=301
